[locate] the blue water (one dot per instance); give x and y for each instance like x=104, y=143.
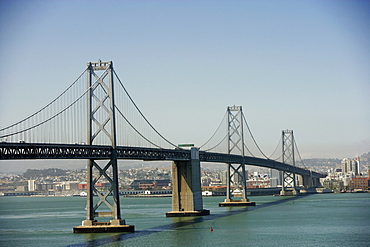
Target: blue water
x=314, y=220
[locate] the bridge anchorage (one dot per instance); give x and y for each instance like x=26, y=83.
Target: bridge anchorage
x=236, y=178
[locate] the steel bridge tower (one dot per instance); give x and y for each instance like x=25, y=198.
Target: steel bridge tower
x=101, y=128
x=236, y=178
x=289, y=186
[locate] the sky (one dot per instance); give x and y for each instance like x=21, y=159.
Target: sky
x=298, y=65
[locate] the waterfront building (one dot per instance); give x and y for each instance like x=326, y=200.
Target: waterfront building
x=361, y=183
x=150, y=184
x=334, y=184
x=70, y=185
x=45, y=187
x=82, y=186
x=20, y=188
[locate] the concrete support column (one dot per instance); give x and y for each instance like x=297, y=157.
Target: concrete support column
x=228, y=187
x=307, y=181
x=316, y=182
x=90, y=200
x=186, y=187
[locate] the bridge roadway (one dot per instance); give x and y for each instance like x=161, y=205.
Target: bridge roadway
x=10, y=151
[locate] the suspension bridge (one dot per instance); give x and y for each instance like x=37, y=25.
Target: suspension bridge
x=96, y=119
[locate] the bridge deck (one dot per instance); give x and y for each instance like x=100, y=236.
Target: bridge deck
x=10, y=151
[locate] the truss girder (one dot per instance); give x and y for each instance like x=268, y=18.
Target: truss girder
x=52, y=151
x=70, y=151
x=10, y=151
x=254, y=161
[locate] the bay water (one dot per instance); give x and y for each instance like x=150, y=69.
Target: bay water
x=312, y=220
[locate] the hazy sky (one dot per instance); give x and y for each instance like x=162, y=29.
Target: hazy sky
x=300, y=65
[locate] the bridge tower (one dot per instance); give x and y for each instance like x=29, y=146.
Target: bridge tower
x=101, y=129
x=236, y=179
x=289, y=186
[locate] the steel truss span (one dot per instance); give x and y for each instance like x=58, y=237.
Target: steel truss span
x=70, y=151
x=9, y=151
x=254, y=161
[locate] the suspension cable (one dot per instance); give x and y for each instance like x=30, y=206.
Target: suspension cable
x=142, y=113
x=250, y=132
x=278, y=158
x=276, y=149
x=295, y=144
x=215, y=133
x=249, y=150
x=216, y=144
x=48, y=119
x=44, y=106
x=119, y=111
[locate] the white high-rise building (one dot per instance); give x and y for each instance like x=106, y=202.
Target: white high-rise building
x=350, y=166
x=31, y=185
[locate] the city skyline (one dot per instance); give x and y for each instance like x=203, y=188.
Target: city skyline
x=301, y=66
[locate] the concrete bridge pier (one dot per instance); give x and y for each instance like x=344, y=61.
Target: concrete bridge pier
x=310, y=181
x=307, y=181
x=289, y=192
x=316, y=182
x=186, y=188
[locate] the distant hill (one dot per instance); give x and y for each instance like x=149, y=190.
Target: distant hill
x=36, y=173
x=321, y=162
x=364, y=161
